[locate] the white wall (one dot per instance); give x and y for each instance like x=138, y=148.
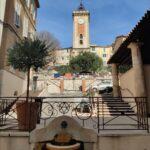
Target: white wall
x=53, y=85
x=15, y=141
x=11, y=83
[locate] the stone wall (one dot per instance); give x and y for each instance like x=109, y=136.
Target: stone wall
x=8, y=79
x=105, y=142
x=124, y=142
x=147, y=79
x=53, y=85
x=127, y=84
x=14, y=141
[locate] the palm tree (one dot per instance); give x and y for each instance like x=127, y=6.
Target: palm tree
x=27, y=54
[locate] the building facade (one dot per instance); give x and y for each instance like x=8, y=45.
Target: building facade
x=81, y=40
x=131, y=63
x=17, y=21
x=63, y=56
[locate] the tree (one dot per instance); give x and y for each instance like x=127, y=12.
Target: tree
x=85, y=62
x=27, y=54
x=63, y=69
x=51, y=41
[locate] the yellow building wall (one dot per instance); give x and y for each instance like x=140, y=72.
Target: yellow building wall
x=103, y=52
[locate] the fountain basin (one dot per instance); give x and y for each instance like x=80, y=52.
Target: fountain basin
x=69, y=147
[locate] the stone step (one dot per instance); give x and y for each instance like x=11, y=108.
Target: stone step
x=117, y=114
x=114, y=105
x=112, y=111
x=114, y=108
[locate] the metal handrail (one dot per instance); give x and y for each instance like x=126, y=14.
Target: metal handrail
x=103, y=113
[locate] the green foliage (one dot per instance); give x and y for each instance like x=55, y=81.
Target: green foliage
x=85, y=62
x=27, y=54
x=124, y=68
x=106, y=69
x=63, y=69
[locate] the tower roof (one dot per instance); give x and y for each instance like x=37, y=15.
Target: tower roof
x=81, y=7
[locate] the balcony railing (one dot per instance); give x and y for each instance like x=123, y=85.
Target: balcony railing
x=98, y=113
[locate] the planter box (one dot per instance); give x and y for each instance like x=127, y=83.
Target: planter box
x=27, y=115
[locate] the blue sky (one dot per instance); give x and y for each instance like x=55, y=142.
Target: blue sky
x=109, y=18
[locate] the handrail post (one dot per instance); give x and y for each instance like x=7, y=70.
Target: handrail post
x=103, y=112
x=146, y=102
x=98, y=118
x=30, y=103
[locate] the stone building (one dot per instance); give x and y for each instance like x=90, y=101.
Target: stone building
x=81, y=40
x=131, y=62
x=17, y=21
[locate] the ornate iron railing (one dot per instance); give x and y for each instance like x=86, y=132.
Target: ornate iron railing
x=98, y=113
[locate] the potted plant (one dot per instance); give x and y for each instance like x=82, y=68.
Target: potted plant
x=25, y=55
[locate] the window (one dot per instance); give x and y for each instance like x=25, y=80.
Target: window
x=104, y=55
x=104, y=50
x=81, y=42
x=81, y=36
x=81, y=39
x=25, y=27
x=17, y=14
x=28, y=3
x=33, y=10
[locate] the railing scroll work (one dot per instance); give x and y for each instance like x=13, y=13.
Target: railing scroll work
x=98, y=113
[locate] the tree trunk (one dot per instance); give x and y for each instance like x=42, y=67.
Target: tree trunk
x=28, y=83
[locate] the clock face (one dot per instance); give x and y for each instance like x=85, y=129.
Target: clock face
x=81, y=21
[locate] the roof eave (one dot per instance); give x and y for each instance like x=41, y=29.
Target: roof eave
x=37, y=3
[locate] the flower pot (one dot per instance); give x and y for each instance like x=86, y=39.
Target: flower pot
x=27, y=115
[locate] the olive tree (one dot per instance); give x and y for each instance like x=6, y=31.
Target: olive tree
x=29, y=53
x=85, y=62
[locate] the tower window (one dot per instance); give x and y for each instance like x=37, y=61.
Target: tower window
x=81, y=42
x=104, y=55
x=81, y=36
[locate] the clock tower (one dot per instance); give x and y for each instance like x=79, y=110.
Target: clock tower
x=81, y=18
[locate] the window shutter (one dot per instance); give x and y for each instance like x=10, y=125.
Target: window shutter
x=17, y=14
x=25, y=27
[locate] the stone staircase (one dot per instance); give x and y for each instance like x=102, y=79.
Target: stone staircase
x=115, y=107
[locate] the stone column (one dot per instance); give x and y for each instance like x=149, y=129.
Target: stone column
x=115, y=80
x=84, y=86
x=61, y=86
x=140, y=90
